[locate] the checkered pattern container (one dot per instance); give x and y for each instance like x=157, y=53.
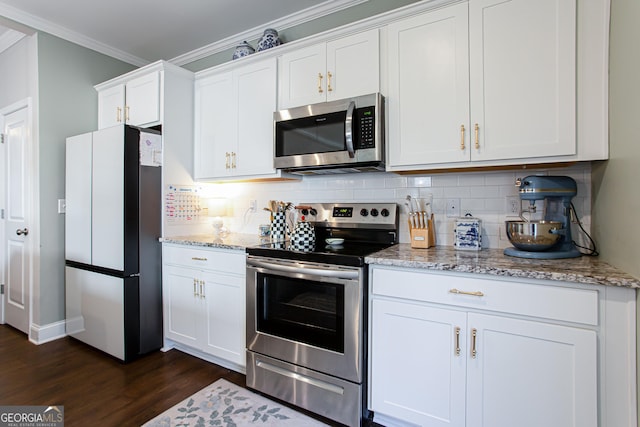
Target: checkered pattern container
x=279, y=228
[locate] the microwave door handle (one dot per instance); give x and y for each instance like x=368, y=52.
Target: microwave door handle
x=348, y=129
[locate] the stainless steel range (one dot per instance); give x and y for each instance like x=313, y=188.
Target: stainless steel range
x=306, y=310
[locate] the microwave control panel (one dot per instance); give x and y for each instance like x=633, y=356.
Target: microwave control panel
x=365, y=119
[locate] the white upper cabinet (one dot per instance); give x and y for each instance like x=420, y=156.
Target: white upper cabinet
x=135, y=102
x=484, y=83
x=428, y=98
x=341, y=68
x=523, y=78
x=234, y=122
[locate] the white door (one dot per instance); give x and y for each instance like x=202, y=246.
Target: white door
x=418, y=362
x=428, y=99
x=531, y=374
x=523, y=78
x=353, y=66
x=215, y=126
x=18, y=211
x=111, y=107
x=143, y=100
x=256, y=95
x=77, y=230
x=302, y=77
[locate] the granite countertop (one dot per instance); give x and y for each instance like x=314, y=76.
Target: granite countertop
x=233, y=241
x=586, y=269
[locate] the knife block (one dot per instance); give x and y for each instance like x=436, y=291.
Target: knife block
x=423, y=238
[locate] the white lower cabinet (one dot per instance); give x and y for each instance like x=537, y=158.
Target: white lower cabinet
x=448, y=350
x=204, y=303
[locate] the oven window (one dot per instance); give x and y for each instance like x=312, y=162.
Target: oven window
x=301, y=310
x=311, y=135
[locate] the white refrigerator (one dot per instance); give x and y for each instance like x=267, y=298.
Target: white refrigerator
x=113, y=273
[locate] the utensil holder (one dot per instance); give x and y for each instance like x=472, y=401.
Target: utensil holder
x=423, y=237
x=279, y=229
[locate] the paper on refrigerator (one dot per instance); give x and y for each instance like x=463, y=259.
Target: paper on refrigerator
x=150, y=149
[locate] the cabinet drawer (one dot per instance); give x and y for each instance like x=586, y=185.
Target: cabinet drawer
x=207, y=259
x=551, y=302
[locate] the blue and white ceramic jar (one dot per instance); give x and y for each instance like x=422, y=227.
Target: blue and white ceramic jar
x=243, y=49
x=269, y=39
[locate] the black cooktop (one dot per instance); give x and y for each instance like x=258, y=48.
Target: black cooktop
x=348, y=253
x=365, y=227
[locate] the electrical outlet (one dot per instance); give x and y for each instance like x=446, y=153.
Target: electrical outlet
x=513, y=207
x=453, y=208
x=253, y=206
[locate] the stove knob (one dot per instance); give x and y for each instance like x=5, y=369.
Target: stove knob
x=364, y=212
x=384, y=212
x=374, y=212
x=305, y=212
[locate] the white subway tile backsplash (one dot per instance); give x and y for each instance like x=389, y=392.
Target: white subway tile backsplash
x=481, y=193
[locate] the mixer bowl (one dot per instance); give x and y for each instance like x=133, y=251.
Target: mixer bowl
x=533, y=236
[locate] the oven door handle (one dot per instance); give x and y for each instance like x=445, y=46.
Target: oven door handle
x=321, y=272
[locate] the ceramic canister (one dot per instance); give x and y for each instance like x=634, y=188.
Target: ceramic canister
x=468, y=233
x=269, y=39
x=243, y=49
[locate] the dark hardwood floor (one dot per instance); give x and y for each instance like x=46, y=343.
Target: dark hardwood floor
x=95, y=389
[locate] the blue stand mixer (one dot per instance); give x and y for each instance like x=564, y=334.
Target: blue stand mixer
x=549, y=238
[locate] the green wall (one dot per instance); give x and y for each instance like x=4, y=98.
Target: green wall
x=68, y=105
x=616, y=189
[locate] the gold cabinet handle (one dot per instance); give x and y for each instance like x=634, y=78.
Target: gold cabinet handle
x=227, y=157
x=474, y=334
x=202, y=295
x=329, y=75
x=195, y=291
x=118, y=114
x=459, y=292
x=126, y=116
x=477, y=131
x=462, y=137
x=233, y=160
x=320, y=83
x=196, y=258
x=457, y=349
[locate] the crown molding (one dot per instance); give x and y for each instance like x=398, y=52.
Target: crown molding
x=303, y=16
x=40, y=24
x=9, y=38
x=306, y=15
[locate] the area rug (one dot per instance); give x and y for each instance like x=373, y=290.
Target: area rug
x=226, y=405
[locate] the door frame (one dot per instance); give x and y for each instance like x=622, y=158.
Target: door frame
x=33, y=190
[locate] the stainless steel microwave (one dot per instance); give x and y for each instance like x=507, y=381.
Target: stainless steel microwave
x=331, y=137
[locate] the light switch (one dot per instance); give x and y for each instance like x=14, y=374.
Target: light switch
x=62, y=206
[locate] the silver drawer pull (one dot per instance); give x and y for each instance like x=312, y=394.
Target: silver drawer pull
x=475, y=294
x=195, y=258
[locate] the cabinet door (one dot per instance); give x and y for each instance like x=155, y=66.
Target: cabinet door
x=224, y=299
x=111, y=106
x=428, y=100
x=531, y=374
x=143, y=100
x=77, y=230
x=256, y=96
x=215, y=126
x=302, y=77
x=418, y=363
x=523, y=78
x=182, y=305
x=353, y=66
x=107, y=203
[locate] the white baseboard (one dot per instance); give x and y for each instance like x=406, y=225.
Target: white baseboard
x=41, y=334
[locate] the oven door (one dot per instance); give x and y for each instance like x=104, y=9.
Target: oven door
x=307, y=314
